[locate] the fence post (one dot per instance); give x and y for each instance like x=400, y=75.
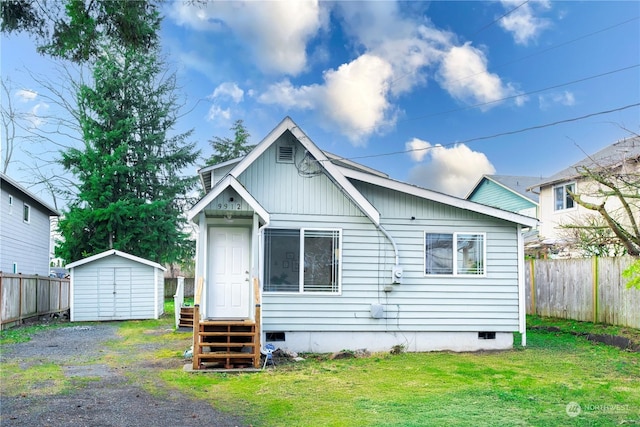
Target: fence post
x=532, y=281
x=594, y=270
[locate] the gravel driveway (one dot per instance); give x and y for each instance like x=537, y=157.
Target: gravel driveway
x=111, y=401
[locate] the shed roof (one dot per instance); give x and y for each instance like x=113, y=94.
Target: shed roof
x=116, y=253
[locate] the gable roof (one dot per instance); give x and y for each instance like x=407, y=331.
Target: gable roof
x=5, y=180
x=435, y=196
x=226, y=182
x=520, y=185
x=116, y=253
x=609, y=157
x=341, y=172
x=332, y=171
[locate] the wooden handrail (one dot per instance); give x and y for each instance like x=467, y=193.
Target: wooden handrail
x=198, y=293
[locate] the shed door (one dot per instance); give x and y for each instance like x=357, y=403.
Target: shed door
x=114, y=293
x=229, y=285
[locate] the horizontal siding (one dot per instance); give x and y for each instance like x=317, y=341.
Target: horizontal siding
x=420, y=303
x=491, y=194
x=26, y=244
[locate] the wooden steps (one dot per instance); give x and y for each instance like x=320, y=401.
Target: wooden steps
x=186, y=317
x=229, y=344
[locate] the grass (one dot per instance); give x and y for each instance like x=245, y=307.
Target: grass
x=524, y=386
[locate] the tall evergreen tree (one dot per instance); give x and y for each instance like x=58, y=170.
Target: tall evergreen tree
x=226, y=148
x=130, y=189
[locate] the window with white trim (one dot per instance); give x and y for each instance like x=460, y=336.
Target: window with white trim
x=561, y=198
x=455, y=254
x=26, y=213
x=302, y=260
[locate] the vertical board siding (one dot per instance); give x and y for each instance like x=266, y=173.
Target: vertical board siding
x=566, y=288
x=280, y=188
x=93, y=290
x=26, y=244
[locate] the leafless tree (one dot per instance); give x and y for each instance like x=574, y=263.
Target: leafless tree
x=612, y=191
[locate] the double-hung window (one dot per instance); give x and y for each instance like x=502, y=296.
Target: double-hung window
x=302, y=260
x=455, y=254
x=561, y=198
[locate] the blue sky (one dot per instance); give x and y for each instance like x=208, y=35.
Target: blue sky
x=366, y=79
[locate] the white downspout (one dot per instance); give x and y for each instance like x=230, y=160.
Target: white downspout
x=260, y=280
x=393, y=243
x=522, y=303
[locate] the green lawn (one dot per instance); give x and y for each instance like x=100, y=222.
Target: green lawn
x=537, y=385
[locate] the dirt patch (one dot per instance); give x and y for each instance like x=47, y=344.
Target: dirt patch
x=622, y=343
x=107, y=399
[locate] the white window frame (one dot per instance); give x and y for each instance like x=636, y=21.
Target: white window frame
x=455, y=235
x=564, y=199
x=301, y=290
x=26, y=213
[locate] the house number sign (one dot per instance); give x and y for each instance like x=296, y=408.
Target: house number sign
x=227, y=206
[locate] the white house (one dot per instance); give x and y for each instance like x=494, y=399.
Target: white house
x=24, y=230
x=348, y=258
x=558, y=209
x=115, y=285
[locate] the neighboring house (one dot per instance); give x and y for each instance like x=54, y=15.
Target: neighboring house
x=510, y=193
x=348, y=258
x=25, y=223
x=557, y=208
x=115, y=285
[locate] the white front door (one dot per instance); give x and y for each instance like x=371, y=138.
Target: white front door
x=229, y=289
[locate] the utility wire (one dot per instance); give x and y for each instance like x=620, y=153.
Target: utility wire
x=522, y=58
x=500, y=18
x=482, y=104
x=496, y=135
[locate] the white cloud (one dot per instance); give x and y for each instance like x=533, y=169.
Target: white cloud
x=392, y=53
x=353, y=97
x=418, y=149
x=286, y=95
x=522, y=22
x=565, y=98
x=463, y=73
x=276, y=33
x=228, y=90
x=215, y=112
x=452, y=170
x=26, y=95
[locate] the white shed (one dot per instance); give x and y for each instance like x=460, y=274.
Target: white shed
x=115, y=285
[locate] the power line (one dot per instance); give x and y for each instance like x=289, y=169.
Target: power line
x=482, y=104
x=550, y=48
x=480, y=138
x=500, y=18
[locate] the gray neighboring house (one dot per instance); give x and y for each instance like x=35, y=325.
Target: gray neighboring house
x=25, y=230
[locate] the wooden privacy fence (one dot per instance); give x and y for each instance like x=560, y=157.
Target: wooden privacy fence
x=24, y=296
x=171, y=286
x=586, y=289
